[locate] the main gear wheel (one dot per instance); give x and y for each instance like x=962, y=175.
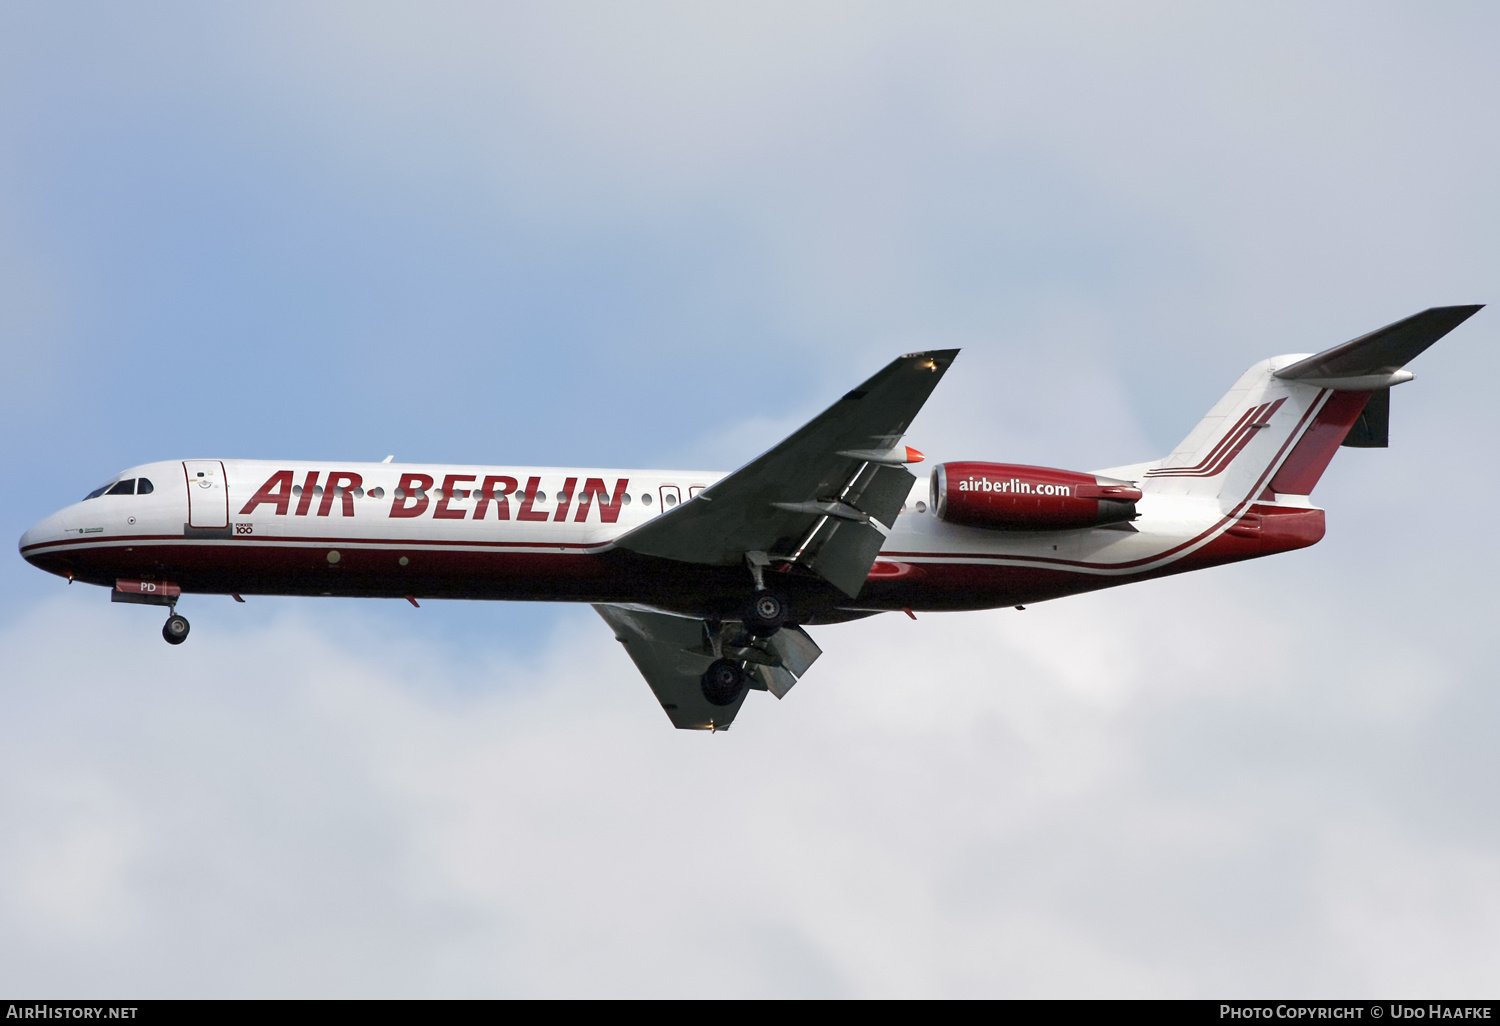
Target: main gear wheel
x=766, y=615
x=723, y=681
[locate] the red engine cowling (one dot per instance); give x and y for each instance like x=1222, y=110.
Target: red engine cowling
x=1008, y=496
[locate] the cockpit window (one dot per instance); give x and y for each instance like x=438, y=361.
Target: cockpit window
x=129, y=486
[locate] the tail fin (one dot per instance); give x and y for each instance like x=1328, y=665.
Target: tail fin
x=1277, y=430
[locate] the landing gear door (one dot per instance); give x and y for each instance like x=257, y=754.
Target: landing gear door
x=208, y=493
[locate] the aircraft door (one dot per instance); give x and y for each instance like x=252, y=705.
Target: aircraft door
x=208, y=493
x=670, y=497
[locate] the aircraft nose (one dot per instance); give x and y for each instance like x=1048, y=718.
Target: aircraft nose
x=48, y=529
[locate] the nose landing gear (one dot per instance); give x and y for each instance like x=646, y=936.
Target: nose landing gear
x=175, y=630
x=155, y=593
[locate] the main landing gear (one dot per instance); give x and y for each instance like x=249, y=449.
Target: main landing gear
x=726, y=679
x=766, y=615
x=175, y=630
x=723, y=681
x=767, y=612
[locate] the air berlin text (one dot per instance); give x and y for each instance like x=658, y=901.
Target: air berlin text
x=412, y=499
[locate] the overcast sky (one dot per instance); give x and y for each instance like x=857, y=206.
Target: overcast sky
x=661, y=235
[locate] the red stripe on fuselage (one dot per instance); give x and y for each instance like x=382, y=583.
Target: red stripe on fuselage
x=69, y=544
x=460, y=568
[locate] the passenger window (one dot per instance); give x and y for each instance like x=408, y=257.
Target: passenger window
x=126, y=487
x=144, y=486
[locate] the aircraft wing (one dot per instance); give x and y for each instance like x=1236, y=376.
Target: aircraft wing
x=823, y=499
x=673, y=651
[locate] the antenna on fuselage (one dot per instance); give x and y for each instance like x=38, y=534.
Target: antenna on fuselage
x=389, y=458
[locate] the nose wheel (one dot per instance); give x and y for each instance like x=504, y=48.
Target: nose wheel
x=175, y=630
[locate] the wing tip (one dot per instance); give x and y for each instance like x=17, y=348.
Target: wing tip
x=1444, y=319
x=935, y=360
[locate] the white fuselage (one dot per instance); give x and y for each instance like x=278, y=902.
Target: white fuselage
x=385, y=529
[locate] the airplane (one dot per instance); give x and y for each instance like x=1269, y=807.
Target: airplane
x=709, y=580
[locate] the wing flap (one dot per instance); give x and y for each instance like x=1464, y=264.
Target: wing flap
x=842, y=551
x=794, y=649
x=775, y=679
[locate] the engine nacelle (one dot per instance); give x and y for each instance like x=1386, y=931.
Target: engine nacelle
x=1007, y=496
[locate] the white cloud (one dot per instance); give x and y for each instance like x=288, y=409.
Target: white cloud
x=1001, y=803
x=1269, y=779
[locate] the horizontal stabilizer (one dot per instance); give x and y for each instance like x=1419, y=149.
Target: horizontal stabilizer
x=1371, y=361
